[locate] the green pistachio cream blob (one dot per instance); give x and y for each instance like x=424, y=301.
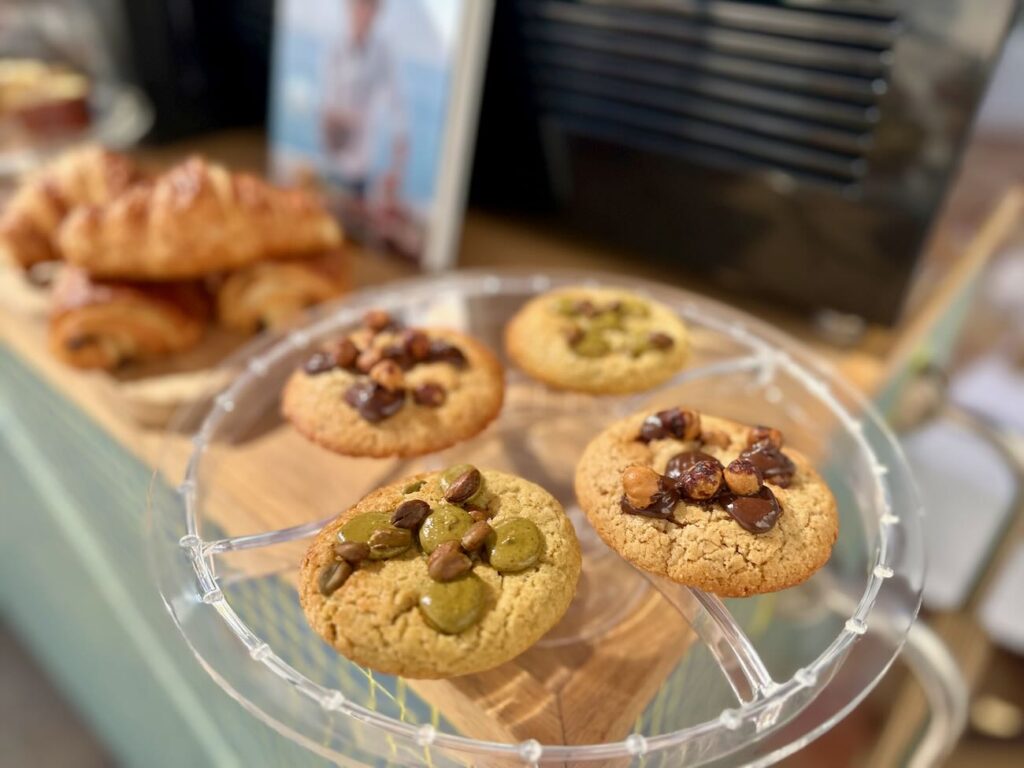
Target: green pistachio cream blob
x=593, y=344
x=453, y=606
x=361, y=527
x=606, y=320
x=446, y=523
x=594, y=321
x=514, y=545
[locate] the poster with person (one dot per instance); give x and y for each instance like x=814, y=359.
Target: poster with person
x=375, y=102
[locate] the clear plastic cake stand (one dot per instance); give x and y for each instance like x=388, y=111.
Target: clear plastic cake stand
x=640, y=671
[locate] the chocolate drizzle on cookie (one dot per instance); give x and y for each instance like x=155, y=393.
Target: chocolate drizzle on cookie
x=775, y=466
x=380, y=390
x=443, y=352
x=681, y=462
x=374, y=402
x=757, y=513
x=697, y=477
x=672, y=422
x=661, y=505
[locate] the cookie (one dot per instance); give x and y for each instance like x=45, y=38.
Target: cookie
x=707, y=502
x=384, y=390
x=597, y=340
x=442, y=574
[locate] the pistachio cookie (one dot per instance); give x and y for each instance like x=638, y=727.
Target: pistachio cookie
x=597, y=340
x=707, y=502
x=442, y=574
x=384, y=390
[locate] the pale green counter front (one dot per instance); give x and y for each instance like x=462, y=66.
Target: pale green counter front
x=74, y=584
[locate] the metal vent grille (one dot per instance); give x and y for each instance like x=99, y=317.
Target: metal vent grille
x=785, y=86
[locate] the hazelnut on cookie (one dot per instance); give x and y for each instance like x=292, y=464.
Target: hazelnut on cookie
x=597, y=340
x=385, y=390
x=707, y=502
x=442, y=574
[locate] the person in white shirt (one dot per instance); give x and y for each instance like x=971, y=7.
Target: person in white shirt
x=362, y=96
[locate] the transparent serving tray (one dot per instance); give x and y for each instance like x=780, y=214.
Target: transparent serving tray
x=640, y=671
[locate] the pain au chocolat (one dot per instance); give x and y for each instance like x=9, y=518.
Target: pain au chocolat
x=98, y=324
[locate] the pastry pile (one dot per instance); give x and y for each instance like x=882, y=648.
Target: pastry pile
x=150, y=260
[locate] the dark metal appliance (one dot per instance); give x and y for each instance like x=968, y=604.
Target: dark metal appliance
x=204, y=65
x=799, y=148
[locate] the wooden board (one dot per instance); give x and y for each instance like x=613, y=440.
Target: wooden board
x=571, y=694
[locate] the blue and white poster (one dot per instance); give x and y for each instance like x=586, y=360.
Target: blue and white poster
x=363, y=99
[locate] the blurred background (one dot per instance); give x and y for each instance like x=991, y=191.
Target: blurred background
x=851, y=171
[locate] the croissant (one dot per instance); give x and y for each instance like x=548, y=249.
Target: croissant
x=269, y=294
x=102, y=325
x=87, y=176
x=196, y=219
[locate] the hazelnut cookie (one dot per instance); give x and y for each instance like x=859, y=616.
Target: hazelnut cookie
x=385, y=390
x=707, y=502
